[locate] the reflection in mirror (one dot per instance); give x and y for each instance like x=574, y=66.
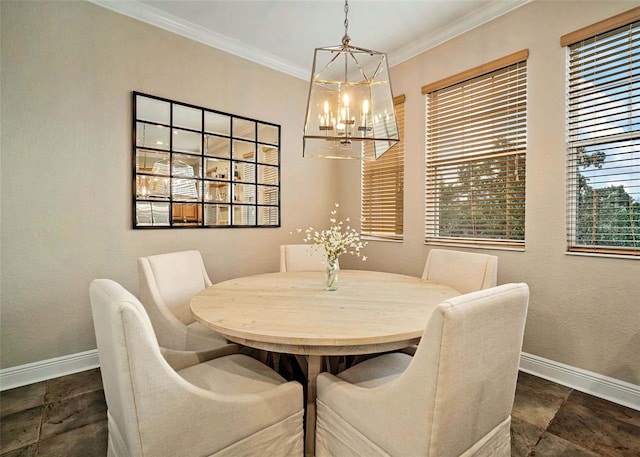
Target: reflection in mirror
x=243, y=150
x=267, y=134
x=152, y=110
x=146, y=159
x=268, y=215
x=185, y=141
x=185, y=189
x=244, y=215
x=243, y=128
x=268, y=154
x=187, y=117
x=267, y=175
x=268, y=195
x=186, y=165
x=190, y=173
x=244, y=193
x=216, y=168
x=217, y=192
x=216, y=215
x=244, y=172
x=152, y=136
x=143, y=186
x=216, y=146
x=152, y=213
x=152, y=187
x=185, y=214
x=217, y=123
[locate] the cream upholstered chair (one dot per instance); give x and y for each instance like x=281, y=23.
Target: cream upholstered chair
x=167, y=283
x=464, y=271
x=453, y=398
x=178, y=405
x=302, y=257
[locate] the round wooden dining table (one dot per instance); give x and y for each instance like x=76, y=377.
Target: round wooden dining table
x=291, y=312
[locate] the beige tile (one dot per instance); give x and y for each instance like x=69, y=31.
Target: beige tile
x=554, y=446
x=606, y=409
x=27, y=451
x=537, y=400
x=87, y=441
x=598, y=425
x=524, y=437
x=20, y=429
x=22, y=398
x=542, y=385
x=72, y=385
x=78, y=411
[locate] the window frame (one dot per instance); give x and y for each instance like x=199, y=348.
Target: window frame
x=576, y=142
x=482, y=74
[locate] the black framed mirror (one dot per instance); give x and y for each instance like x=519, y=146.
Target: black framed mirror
x=201, y=168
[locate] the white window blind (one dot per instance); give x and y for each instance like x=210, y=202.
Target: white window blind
x=603, y=134
x=382, y=198
x=476, y=156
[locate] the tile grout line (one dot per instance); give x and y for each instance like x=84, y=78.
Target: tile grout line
x=545, y=430
x=46, y=391
x=558, y=436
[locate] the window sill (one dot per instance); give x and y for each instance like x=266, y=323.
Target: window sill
x=603, y=255
x=379, y=238
x=475, y=246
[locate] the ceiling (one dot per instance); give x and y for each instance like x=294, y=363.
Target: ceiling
x=282, y=34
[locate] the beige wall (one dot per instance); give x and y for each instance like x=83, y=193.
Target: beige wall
x=584, y=311
x=68, y=69
x=66, y=77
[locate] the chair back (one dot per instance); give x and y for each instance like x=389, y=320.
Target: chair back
x=464, y=373
x=170, y=280
x=464, y=271
x=129, y=361
x=302, y=257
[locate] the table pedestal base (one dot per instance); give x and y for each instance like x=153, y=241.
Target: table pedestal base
x=313, y=370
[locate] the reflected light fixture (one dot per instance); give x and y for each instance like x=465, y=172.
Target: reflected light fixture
x=350, y=110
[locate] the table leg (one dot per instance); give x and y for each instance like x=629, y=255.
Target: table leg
x=313, y=370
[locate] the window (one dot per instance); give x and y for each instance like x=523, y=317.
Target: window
x=383, y=187
x=195, y=167
x=603, y=137
x=476, y=156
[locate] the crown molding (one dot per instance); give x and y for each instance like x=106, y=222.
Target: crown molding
x=153, y=16
x=171, y=23
x=464, y=24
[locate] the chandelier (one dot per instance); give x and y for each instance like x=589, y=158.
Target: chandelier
x=350, y=111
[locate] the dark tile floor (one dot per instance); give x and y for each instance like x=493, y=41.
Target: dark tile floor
x=66, y=417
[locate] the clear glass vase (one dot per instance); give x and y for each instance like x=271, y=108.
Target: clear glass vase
x=332, y=275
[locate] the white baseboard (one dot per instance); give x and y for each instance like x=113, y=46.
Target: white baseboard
x=621, y=392
x=611, y=389
x=48, y=369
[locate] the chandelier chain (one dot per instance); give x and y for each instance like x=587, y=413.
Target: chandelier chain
x=346, y=19
x=345, y=38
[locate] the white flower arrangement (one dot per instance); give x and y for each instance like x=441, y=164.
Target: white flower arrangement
x=338, y=239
